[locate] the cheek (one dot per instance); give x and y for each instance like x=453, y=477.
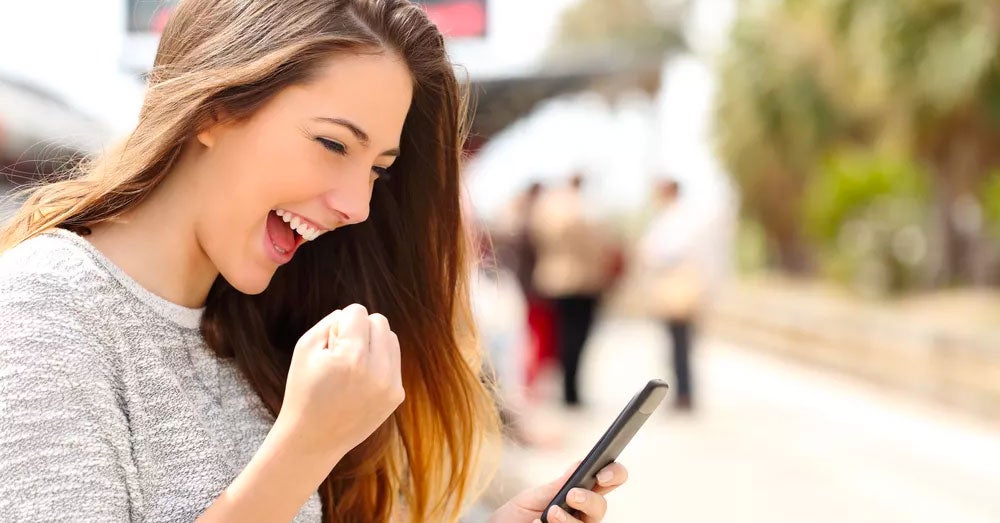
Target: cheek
x=288, y=171
x=261, y=170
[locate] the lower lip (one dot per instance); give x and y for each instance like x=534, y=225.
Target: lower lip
x=272, y=251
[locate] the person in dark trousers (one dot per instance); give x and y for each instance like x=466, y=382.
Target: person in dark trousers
x=541, y=318
x=575, y=318
x=680, y=332
x=676, y=283
x=572, y=270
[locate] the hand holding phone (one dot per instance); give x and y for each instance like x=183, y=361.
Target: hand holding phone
x=614, y=440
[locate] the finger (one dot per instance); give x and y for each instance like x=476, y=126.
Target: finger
x=561, y=480
x=394, y=351
x=558, y=515
x=557, y=483
x=395, y=365
x=380, y=341
x=592, y=504
x=354, y=330
x=610, y=478
x=333, y=335
x=540, y=497
x=317, y=336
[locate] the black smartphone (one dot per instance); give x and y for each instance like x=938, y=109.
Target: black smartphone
x=611, y=443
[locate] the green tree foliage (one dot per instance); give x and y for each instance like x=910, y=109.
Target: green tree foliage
x=870, y=215
x=775, y=116
x=640, y=27
x=915, y=79
x=991, y=201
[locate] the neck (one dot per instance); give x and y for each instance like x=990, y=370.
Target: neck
x=156, y=244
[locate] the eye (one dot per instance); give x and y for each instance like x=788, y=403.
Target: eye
x=331, y=145
x=339, y=148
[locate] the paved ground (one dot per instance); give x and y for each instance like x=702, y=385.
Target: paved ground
x=771, y=442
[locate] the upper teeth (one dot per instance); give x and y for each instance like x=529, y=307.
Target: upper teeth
x=299, y=225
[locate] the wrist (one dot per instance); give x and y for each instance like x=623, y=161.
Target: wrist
x=296, y=443
x=275, y=484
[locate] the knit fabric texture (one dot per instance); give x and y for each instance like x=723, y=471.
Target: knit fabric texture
x=112, y=407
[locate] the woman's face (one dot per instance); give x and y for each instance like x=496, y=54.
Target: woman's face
x=307, y=160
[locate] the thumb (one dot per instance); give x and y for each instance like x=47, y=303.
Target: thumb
x=540, y=496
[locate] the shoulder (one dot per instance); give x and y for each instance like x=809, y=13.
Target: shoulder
x=53, y=268
x=49, y=290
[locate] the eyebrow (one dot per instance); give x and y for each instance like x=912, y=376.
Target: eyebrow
x=358, y=133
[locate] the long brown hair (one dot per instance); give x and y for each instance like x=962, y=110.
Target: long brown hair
x=407, y=261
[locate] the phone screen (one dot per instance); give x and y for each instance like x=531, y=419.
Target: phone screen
x=614, y=440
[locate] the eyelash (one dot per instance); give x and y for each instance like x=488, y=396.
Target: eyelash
x=339, y=148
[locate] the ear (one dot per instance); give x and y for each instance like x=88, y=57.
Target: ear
x=210, y=128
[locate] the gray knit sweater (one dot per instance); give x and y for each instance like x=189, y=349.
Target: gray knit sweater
x=112, y=408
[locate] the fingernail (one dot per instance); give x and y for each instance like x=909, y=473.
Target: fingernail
x=605, y=476
x=578, y=495
x=557, y=514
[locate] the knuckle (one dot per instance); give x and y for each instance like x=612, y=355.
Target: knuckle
x=330, y=320
x=600, y=503
x=348, y=348
x=357, y=309
x=379, y=319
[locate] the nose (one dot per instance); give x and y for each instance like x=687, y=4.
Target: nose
x=351, y=199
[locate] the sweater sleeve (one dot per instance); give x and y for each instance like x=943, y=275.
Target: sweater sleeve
x=64, y=439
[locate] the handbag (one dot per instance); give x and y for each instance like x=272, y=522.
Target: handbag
x=677, y=292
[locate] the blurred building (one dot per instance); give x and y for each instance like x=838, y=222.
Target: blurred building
x=63, y=90
x=39, y=133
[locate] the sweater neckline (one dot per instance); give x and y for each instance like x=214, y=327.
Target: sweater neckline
x=186, y=317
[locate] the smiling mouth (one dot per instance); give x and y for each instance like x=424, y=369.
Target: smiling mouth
x=300, y=224
x=284, y=239
x=286, y=231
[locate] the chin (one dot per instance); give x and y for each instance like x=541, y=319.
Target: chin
x=253, y=283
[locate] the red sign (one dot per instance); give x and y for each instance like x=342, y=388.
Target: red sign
x=455, y=18
x=458, y=18
x=145, y=16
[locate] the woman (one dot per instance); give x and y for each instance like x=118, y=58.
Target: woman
x=168, y=350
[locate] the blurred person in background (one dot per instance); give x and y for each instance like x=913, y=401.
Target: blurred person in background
x=668, y=252
x=499, y=308
x=183, y=330
x=573, y=269
x=541, y=317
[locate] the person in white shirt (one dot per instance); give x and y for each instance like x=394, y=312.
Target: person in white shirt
x=669, y=252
